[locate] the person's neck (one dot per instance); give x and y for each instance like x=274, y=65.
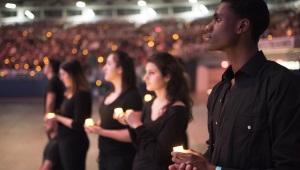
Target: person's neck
x=240, y=55
x=117, y=83
x=161, y=95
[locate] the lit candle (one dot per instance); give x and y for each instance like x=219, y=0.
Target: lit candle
x=89, y=122
x=50, y=115
x=118, y=112
x=128, y=112
x=178, y=149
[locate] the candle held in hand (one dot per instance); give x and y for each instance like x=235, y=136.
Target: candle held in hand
x=89, y=122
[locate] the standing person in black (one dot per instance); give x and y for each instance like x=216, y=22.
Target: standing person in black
x=116, y=151
x=254, y=111
x=165, y=119
x=73, y=142
x=53, y=100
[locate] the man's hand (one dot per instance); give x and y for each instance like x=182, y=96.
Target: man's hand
x=190, y=161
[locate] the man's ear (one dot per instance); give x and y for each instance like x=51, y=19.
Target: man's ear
x=243, y=26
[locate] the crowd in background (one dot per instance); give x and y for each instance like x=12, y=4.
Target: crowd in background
x=26, y=47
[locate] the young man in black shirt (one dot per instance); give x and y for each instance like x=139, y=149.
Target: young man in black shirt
x=254, y=111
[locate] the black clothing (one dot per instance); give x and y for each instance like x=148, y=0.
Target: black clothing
x=57, y=87
x=110, y=148
x=51, y=153
x=155, y=139
x=73, y=142
x=51, y=150
x=254, y=124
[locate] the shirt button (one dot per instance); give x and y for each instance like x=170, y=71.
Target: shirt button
x=249, y=127
x=220, y=100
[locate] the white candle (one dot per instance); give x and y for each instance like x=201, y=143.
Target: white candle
x=178, y=149
x=128, y=112
x=89, y=122
x=50, y=115
x=118, y=112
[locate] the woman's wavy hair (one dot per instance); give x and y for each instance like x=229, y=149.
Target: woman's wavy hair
x=177, y=86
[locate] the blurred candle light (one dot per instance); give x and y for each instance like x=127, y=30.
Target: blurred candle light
x=26, y=66
x=148, y=97
x=49, y=34
x=50, y=115
x=100, y=59
x=151, y=44
x=38, y=68
x=98, y=83
x=118, y=112
x=178, y=149
x=85, y=52
x=175, y=36
x=6, y=61
x=89, y=122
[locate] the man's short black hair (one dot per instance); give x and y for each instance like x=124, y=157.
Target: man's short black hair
x=256, y=11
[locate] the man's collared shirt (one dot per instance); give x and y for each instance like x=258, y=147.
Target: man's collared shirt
x=254, y=124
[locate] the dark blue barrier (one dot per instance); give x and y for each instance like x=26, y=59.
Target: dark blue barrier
x=22, y=87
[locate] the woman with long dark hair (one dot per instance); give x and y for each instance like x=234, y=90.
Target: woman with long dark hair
x=116, y=150
x=164, y=120
x=73, y=142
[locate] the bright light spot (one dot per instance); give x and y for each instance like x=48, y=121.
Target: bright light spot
x=224, y=64
x=3, y=73
x=89, y=13
x=26, y=66
x=29, y=14
x=193, y=1
x=270, y=37
x=80, y=4
x=10, y=5
x=292, y=65
x=151, y=44
x=100, y=59
x=148, y=97
x=85, y=52
x=175, y=36
x=49, y=34
x=17, y=66
x=148, y=12
x=142, y=3
x=6, y=61
x=98, y=83
x=38, y=68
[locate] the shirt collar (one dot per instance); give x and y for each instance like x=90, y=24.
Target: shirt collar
x=254, y=64
x=250, y=68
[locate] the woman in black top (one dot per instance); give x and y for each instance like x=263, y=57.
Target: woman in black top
x=73, y=142
x=165, y=119
x=116, y=151
x=53, y=100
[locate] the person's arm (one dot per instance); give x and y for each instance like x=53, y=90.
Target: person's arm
x=50, y=102
x=121, y=135
x=159, y=146
x=64, y=120
x=284, y=118
x=82, y=111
